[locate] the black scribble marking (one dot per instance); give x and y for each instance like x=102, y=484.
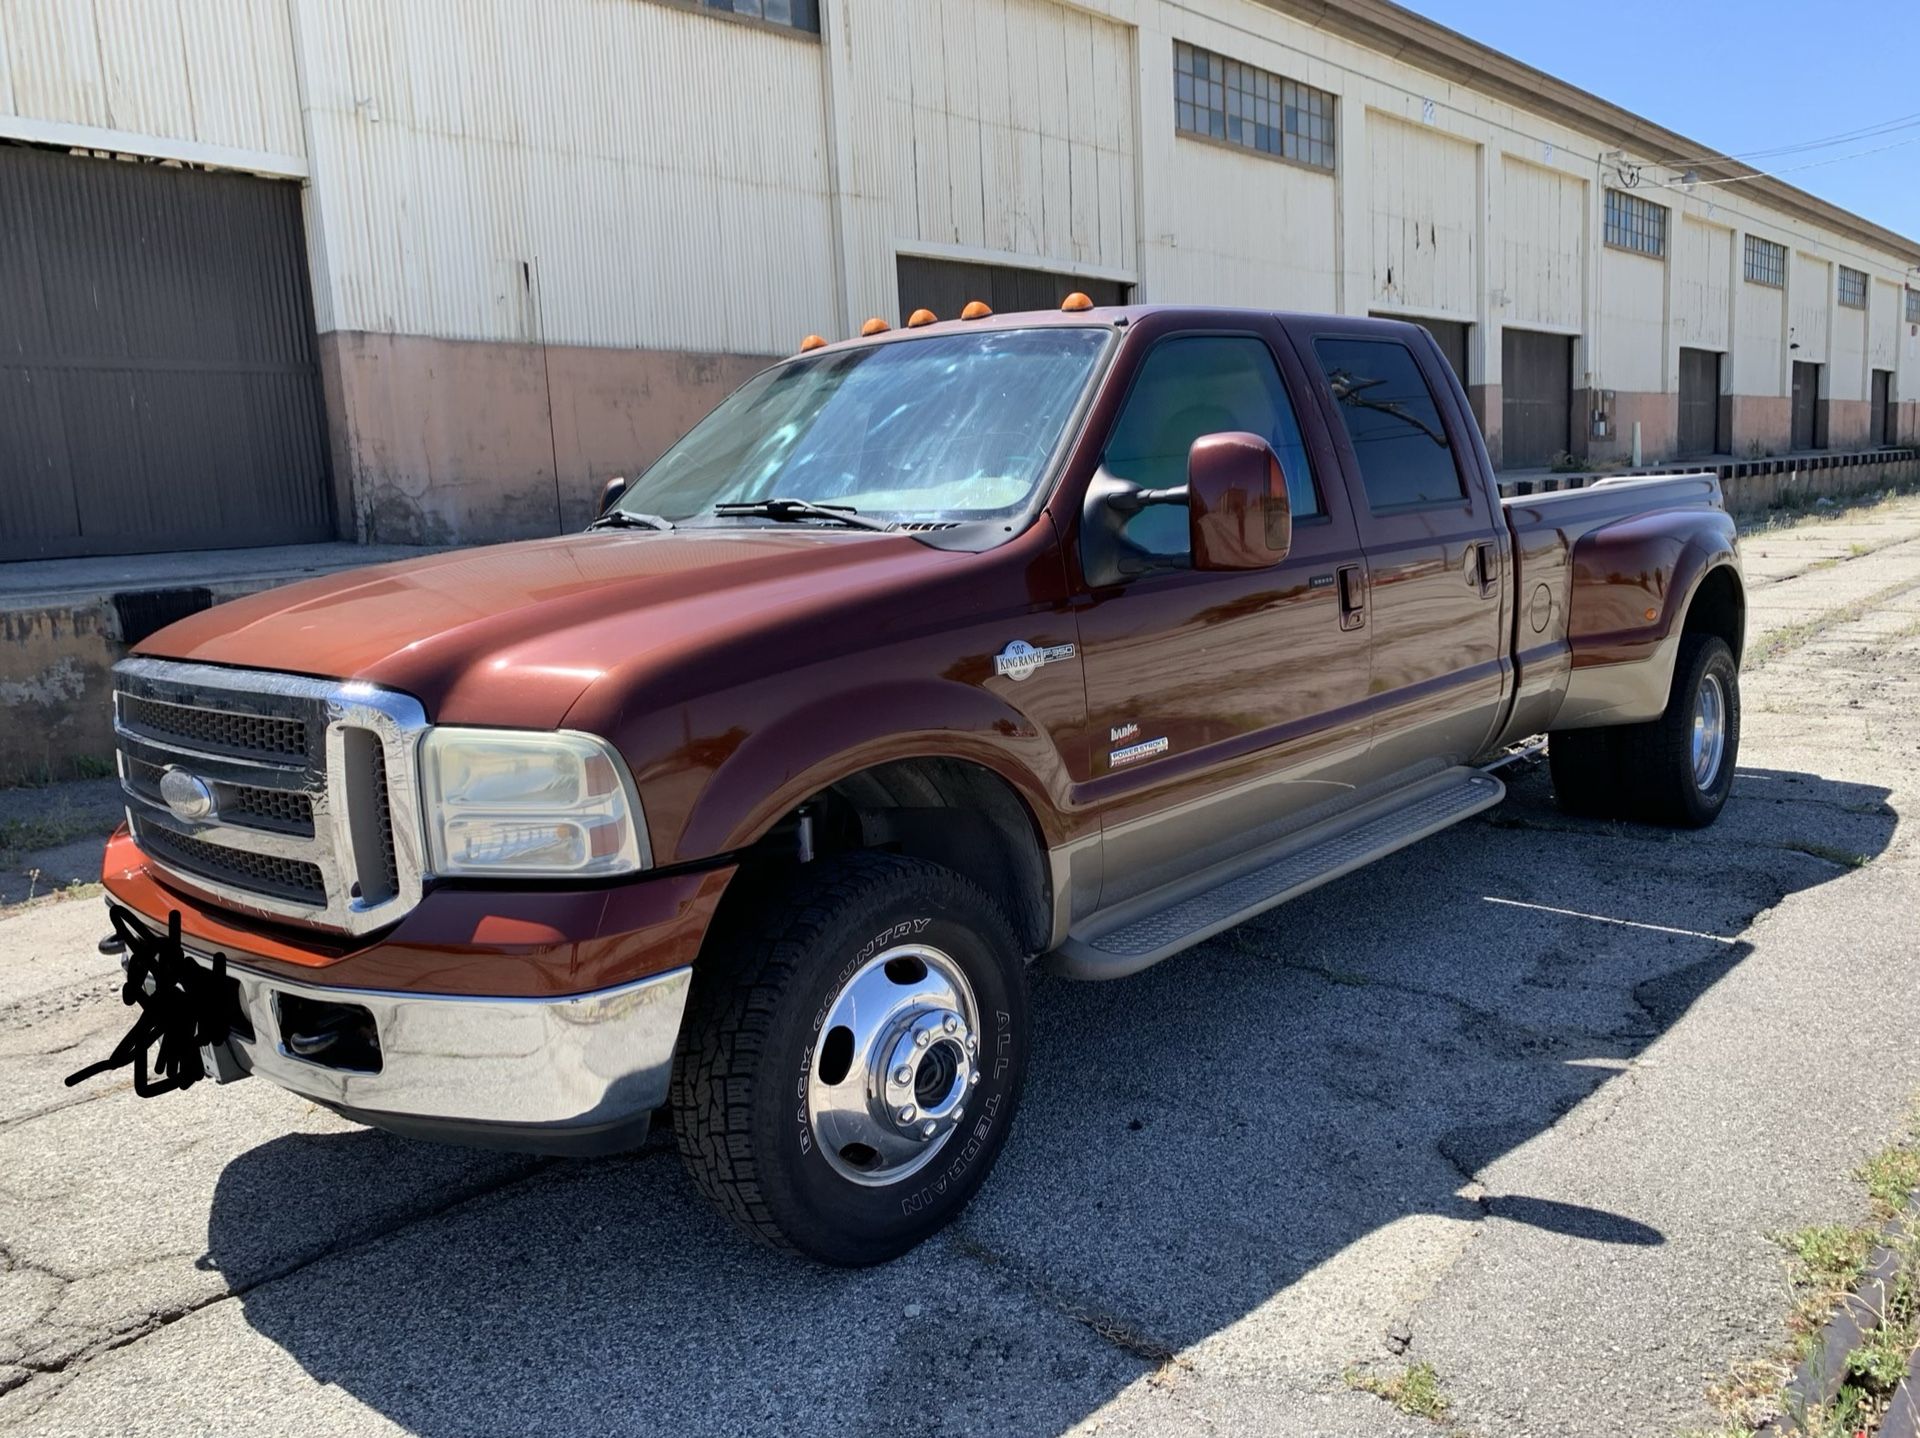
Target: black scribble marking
x=186, y=1009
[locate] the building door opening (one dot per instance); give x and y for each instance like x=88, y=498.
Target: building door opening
x=1880, y=427
x=1536, y=398
x=1450, y=335
x=1700, y=402
x=159, y=387
x=1806, y=407
x=945, y=286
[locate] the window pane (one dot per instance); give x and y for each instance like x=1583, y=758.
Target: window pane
x=1392, y=422
x=1187, y=388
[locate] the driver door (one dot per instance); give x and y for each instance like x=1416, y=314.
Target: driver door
x=1222, y=707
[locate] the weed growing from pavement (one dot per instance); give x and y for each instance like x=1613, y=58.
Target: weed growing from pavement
x=1825, y=1264
x=1843, y=858
x=1415, y=1392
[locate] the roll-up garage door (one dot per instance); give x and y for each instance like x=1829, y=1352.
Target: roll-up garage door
x=1536, y=398
x=158, y=385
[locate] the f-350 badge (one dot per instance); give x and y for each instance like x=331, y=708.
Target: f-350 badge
x=1020, y=660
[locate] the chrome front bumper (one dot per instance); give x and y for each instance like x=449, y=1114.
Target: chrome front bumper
x=568, y=1074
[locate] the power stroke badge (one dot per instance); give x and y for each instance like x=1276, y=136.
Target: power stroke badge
x=1021, y=660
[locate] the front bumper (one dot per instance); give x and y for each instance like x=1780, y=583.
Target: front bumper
x=578, y=1073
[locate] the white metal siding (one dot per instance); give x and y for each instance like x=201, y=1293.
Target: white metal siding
x=209, y=72
x=1632, y=352
x=1423, y=186
x=622, y=174
x=1810, y=293
x=1702, y=279
x=1543, y=247
x=1758, y=363
x=1003, y=128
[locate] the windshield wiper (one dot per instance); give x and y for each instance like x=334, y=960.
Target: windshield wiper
x=798, y=509
x=630, y=519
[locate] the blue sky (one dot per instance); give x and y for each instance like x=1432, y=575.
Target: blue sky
x=1745, y=76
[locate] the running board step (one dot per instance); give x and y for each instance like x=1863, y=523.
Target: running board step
x=1158, y=925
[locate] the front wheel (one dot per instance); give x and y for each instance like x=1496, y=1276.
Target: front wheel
x=849, y=1069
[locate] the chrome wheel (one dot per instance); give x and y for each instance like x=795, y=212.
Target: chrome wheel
x=1709, y=731
x=896, y=1060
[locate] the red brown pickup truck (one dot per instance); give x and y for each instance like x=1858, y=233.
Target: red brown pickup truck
x=1072, y=637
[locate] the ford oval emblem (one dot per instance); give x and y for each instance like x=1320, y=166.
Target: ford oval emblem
x=187, y=795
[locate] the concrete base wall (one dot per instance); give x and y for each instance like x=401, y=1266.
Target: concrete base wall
x=1485, y=400
x=1759, y=422
x=1657, y=414
x=466, y=442
x=1848, y=421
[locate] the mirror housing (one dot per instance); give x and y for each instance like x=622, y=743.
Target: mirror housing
x=611, y=491
x=1238, y=515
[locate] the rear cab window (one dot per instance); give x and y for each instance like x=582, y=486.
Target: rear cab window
x=1393, y=423
x=1194, y=385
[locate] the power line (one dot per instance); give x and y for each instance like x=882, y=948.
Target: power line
x=1865, y=132
x=1790, y=169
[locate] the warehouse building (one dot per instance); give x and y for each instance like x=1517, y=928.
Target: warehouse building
x=429, y=271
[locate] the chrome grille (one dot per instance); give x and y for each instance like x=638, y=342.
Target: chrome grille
x=291, y=879
x=214, y=731
x=305, y=807
x=285, y=811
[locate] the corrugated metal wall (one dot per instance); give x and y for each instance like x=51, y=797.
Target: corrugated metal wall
x=213, y=72
x=1702, y=274
x=1543, y=246
x=1424, y=215
x=157, y=379
x=620, y=173
x=1810, y=296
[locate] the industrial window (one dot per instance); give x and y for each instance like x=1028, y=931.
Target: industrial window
x=1392, y=423
x=1853, y=288
x=1766, y=262
x=1252, y=108
x=1913, y=307
x=1636, y=224
x=800, y=14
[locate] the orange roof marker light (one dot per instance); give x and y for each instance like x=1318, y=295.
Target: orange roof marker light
x=812, y=342
x=1076, y=301
x=874, y=326
x=921, y=317
x=975, y=310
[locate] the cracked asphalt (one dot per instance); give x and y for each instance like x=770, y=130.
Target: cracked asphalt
x=1525, y=1102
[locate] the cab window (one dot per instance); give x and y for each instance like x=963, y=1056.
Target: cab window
x=1193, y=386
x=1392, y=422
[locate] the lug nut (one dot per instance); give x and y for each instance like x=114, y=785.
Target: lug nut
x=929, y=1128
x=909, y=1113
x=903, y=1074
x=973, y=1043
x=955, y=1116
x=973, y=1078
x=923, y=1038
x=952, y=1025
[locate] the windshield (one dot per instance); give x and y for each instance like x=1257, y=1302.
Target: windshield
x=943, y=429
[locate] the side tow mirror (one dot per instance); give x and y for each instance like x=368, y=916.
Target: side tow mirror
x=611, y=491
x=1238, y=516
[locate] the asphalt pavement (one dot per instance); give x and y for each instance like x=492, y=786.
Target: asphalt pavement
x=1526, y=1102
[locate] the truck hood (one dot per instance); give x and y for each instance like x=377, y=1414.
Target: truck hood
x=515, y=633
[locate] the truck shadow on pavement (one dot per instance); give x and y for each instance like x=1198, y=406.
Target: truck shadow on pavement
x=1252, y=1148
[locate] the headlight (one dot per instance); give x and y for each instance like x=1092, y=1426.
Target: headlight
x=502, y=801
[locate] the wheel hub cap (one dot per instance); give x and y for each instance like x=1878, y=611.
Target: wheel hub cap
x=895, y=1064
x=1709, y=731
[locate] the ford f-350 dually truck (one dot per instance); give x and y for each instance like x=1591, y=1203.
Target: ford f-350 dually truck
x=1072, y=637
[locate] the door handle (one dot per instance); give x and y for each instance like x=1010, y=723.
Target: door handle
x=1486, y=566
x=1353, y=596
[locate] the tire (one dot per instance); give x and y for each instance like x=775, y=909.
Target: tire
x=769, y=1089
x=1586, y=772
x=1648, y=771
x=1659, y=759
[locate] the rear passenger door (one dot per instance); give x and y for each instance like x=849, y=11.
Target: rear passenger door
x=1437, y=550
